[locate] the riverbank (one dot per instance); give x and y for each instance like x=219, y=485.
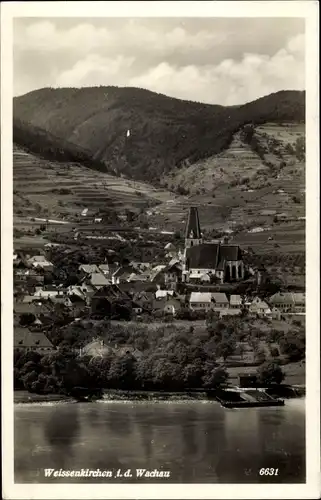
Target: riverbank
x=30, y=397
x=121, y=395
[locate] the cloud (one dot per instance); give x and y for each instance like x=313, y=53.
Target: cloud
x=226, y=61
x=95, y=70
x=231, y=82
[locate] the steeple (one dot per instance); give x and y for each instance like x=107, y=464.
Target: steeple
x=193, y=235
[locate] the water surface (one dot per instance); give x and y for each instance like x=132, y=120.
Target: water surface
x=196, y=441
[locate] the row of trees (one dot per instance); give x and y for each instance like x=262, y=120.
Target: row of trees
x=62, y=371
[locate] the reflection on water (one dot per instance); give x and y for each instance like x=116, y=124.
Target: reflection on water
x=197, y=442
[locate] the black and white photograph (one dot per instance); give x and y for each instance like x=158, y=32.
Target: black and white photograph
x=159, y=170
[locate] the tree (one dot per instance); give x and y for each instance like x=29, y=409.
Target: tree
x=270, y=373
x=28, y=379
x=214, y=376
x=293, y=346
x=26, y=319
x=122, y=372
x=193, y=374
x=166, y=374
x=226, y=347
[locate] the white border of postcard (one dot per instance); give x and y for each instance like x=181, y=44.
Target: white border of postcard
x=304, y=9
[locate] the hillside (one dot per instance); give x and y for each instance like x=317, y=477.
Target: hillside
x=247, y=180
x=44, y=188
x=165, y=134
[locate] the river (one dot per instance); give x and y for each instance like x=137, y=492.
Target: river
x=198, y=442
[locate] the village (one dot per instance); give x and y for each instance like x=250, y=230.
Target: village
x=97, y=308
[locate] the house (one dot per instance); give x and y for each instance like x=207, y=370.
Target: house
x=288, y=302
x=247, y=303
x=64, y=300
x=196, y=277
x=33, y=307
x=104, y=268
x=48, y=291
x=222, y=261
x=200, y=300
x=173, y=274
x=27, y=340
x=108, y=299
x=275, y=313
x=97, y=280
x=31, y=313
x=88, y=269
x=122, y=274
x=159, y=305
x=28, y=277
x=259, y=307
x=84, y=290
x=156, y=274
x=299, y=302
x=235, y=302
x=79, y=306
x=40, y=262
x=144, y=300
x=27, y=299
x=143, y=277
x=169, y=247
x=163, y=293
x=137, y=308
x=220, y=301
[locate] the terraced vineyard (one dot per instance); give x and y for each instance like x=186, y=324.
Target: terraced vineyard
x=53, y=189
x=238, y=190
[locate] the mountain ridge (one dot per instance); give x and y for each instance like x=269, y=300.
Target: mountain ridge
x=165, y=132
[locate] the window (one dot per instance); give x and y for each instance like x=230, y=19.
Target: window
x=20, y=342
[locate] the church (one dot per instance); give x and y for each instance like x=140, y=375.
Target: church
x=209, y=261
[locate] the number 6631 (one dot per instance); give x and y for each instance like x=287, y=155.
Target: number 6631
x=269, y=472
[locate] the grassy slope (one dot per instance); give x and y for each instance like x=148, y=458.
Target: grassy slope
x=165, y=132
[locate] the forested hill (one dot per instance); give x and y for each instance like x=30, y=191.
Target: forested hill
x=164, y=132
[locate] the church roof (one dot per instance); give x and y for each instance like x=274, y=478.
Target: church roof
x=204, y=256
x=230, y=252
x=211, y=255
x=193, y=228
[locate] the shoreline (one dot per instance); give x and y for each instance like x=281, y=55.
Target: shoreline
x=24, y=397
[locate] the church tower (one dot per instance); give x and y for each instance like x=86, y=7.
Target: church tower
x=193, y=235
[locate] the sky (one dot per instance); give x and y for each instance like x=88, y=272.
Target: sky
x=224, y=61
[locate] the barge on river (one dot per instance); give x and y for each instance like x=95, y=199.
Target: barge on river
x=246, y=398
